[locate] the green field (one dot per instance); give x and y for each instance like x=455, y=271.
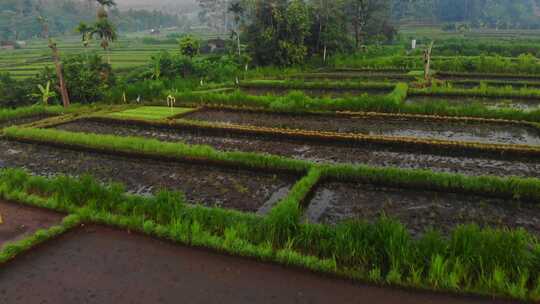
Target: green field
x=125, y=54
x=150, y=113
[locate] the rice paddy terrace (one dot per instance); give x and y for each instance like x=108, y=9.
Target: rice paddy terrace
x=364, y=181
x=30, y=61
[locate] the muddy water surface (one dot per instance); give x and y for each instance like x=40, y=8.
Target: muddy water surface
x=319, y=152
x=516, y=104
x=212, y=186
x=403, y=127
x=21, y=221
x=418, y=210
x=97, y=265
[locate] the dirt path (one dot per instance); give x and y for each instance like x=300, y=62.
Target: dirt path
x=21, y=221
x=101, y=265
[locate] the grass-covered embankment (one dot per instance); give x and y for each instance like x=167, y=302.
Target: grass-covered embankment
x=297, y=102
x=17, y=113
x=150, y=113
x=482, y=91
x=443, y=147
x=469, y=260
x=508, y=188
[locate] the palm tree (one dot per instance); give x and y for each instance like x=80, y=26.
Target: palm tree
x=86, y=33
x=102, y=10
x=103, y=28
x=107, y=33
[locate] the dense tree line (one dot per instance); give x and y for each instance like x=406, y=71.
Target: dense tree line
x=286, y=32
x=18, y=18
x=497, y=14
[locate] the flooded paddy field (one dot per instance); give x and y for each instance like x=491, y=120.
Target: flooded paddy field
x=96, y=264
x=19, y=221
x=327, y=152
x=331, y=93
x=492, y=103
x=454, y=130
x=418, y=210
x=212, y=186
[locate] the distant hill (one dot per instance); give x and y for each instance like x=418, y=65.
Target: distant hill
x=156, y=4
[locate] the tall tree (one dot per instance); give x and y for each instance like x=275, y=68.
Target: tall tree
x=278, y=31
x=328, y=32
x=361, y=13
x=62, y=87
x=237, y=10
x=103, y=28
x=86, y=33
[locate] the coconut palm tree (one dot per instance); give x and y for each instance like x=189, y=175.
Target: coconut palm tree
x=86, y=33
x=105, y=31
x=103, y=5
x=103, y=28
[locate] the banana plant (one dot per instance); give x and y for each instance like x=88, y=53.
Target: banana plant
x=156, y=67
x=45, y=93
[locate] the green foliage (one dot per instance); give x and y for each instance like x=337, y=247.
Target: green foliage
x=297, y=101
x=22, y=112
x=278, y=32
x=189, y=46
x=391, y=103
x=87, y=77
x=45, y=93
x=483, y=90
x=491, y=47
x=523, y=64
x=216, y=69
x=300, y=84
x=14, y=93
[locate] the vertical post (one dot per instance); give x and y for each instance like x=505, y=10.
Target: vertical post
x=427, y=63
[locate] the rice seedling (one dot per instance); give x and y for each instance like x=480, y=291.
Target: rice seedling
x=150, y=113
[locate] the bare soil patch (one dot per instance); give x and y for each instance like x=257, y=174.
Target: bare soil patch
x=21, y=221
